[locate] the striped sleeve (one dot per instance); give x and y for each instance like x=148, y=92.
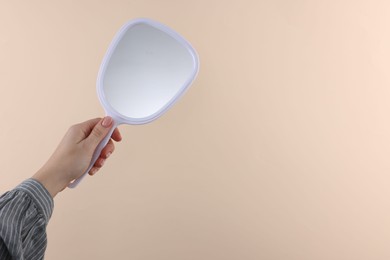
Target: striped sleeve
x=24, y=214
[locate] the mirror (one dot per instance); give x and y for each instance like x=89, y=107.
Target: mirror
x=145, y=72
x=146, y=69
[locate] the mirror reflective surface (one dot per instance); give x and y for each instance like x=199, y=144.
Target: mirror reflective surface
x=146, y=70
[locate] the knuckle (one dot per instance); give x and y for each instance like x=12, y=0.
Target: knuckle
x=73, y=128
x=97, y=132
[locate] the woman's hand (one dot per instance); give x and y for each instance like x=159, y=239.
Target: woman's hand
x=74, y=153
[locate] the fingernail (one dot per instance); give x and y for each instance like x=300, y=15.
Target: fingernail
x=107, y=121
x=108, y=155
x=102, y=162
x=93, y=171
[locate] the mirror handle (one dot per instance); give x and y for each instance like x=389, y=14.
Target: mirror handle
x=95, y=156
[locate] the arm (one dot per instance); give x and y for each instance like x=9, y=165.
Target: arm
x=26, y=210
x=24, y=213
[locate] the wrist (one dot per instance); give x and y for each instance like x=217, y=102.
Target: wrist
x=51, y=180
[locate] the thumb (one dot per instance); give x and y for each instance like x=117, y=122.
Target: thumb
x=100, y=130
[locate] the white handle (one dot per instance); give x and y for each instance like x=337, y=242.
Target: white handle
x=95, y=156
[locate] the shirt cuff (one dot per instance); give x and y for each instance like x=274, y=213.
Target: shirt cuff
x=39, y=194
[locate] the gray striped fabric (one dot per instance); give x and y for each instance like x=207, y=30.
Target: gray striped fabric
x=24, y=214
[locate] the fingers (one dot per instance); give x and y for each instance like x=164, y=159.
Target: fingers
x=89, y=124
x=99, y=131
x=97, y=166
x=93, y=171
x=83, y=130
x=106, y=152
x=87, y=127
x=116, y=135
x=95, y=130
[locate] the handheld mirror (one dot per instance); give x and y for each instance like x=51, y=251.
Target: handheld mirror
x=146, y=69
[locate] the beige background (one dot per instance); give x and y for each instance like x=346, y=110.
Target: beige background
x=280, y=150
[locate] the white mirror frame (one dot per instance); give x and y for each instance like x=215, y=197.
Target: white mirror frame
x=122, y=119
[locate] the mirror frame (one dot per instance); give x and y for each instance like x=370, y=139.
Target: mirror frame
x=110, y=111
